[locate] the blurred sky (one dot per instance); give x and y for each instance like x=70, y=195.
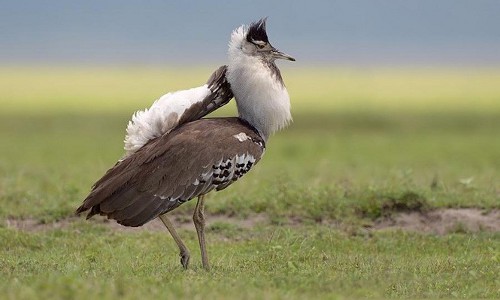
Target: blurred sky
x=351, y=32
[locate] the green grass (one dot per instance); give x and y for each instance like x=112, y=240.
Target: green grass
x=372, y=143
x=304, y=262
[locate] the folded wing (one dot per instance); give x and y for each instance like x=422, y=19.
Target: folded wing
x=192, y=160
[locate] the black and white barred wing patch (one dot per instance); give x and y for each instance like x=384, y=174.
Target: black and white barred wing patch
x=230, y=170
x=221, y=174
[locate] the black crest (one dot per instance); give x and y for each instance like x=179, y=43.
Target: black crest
x=257, y=31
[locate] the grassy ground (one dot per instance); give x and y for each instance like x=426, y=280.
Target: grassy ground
x=370, y=142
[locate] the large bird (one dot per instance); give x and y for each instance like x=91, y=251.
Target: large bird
x=174, y=155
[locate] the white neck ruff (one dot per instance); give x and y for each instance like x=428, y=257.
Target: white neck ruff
x=262, y=99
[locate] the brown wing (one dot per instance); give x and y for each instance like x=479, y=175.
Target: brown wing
x=220, y=96
x=190, y=161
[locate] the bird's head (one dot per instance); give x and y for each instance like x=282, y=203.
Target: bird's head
x=252, y=41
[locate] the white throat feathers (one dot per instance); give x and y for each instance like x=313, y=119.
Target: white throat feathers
x=259, y=91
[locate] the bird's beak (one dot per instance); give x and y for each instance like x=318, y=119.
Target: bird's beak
x=280, y=55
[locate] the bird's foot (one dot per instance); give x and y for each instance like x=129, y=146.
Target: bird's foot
x=184, y=259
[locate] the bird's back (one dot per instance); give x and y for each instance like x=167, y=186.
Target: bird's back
x=191, y=160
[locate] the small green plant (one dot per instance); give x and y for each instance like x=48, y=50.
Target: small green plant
x=377, y=206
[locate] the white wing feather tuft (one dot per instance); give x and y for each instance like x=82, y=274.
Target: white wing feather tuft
x=161, y=117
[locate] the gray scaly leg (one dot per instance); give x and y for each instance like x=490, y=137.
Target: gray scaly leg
x=199, y=224
x=184, y=252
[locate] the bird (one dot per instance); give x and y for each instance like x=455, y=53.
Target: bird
x=173, y=154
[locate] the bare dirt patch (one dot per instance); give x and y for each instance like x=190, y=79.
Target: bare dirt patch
x=180, y=222
x=31, y=224
x=185, y=222
x=443, y=221
x=440, y=221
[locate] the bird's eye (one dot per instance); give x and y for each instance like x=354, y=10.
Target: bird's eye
x=260, y=46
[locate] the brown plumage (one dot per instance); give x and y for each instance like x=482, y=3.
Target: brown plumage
x=190, y=161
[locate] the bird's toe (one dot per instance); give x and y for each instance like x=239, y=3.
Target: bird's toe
x=185, y=259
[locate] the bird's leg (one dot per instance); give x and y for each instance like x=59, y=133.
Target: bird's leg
x=184, y=252
x=199, y=224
